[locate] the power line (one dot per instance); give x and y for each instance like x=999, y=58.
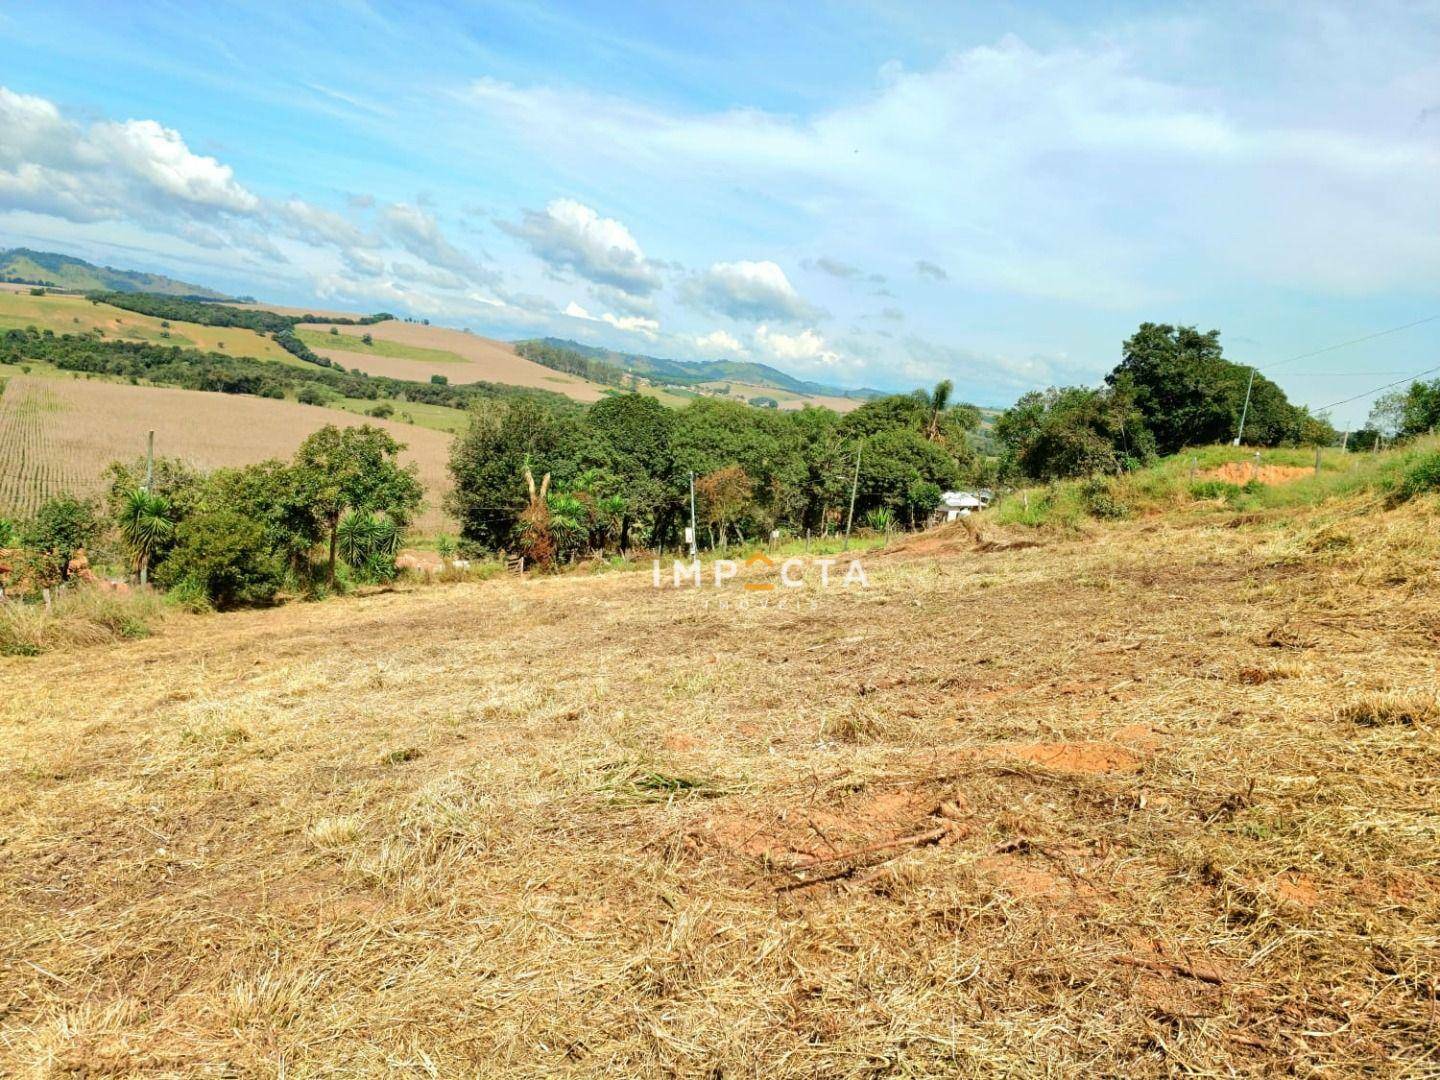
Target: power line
x=1387, y=386
x=1353, y=341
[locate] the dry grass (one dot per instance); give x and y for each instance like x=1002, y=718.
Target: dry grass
x=77, y=315
x=1012, y=810
x=58, y=435
x=482, y=359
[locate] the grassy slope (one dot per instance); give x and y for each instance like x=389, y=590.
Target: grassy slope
x=1167, y=485
x=1183, y=822
x=76, y=315
x=353, y=342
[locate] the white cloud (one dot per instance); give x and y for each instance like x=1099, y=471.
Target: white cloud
x=752, y=291
x=631, y=324
x=416, y=230
x=805, y=348
x=135, y=169
x=1072, y=173
x=568, y=235
x=718, y=342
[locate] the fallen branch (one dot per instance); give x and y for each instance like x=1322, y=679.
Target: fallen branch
x=1170, y=967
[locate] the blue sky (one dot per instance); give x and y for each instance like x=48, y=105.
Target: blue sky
x=866, y=194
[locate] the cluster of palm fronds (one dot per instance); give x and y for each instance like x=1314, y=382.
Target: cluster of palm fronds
x=368, y=542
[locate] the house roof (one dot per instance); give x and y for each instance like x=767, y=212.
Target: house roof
x=958, y=499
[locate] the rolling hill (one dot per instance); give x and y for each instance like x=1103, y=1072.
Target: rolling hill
x=25, y=266
x=697, y=372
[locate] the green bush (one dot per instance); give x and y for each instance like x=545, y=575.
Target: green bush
x=1420, y=478
x=224, y=557
x=1102, y=500
x=1214, y=489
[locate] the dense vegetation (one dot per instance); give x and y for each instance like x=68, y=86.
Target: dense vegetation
x=182, y=309
x=190, y=369
x=1173, y=388
x=335, y=512
x=620, y=472
x=572, y=362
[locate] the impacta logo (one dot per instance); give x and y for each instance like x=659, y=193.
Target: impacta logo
x=793, y=573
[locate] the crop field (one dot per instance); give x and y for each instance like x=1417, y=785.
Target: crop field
x=1155, y=798
x=413, y=351
x=787, y=399
x=58, y=435
x=77, y=315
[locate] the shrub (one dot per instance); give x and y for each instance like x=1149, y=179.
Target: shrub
x=310, y=396
x=1420, y=478
x=1102, y=500
x=382, y=411
x=224, y=557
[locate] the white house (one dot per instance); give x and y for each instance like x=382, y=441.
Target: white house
x=957, y=504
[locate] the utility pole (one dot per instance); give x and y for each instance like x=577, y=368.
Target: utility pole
x=1245, y=409
x=694, y=536
x=854, y=488
x=149, y=483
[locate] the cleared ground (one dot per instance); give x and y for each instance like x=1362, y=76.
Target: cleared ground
x=59, y=434
x=1158, y=799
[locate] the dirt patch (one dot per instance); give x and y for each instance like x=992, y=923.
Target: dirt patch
x=1075, y=757
x=1241, y=473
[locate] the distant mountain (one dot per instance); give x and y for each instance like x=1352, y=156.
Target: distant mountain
x=701, y=371
x=67, y=272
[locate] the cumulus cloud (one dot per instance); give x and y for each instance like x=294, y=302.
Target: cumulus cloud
x=568, y=235
x=805, y=348
x=926, y=268
x=143, y=174
x=718, y=342
x=631, y=324
x=133, y=169
x=748, y=291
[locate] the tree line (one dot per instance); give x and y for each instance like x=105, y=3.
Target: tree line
x=191, y=369
x=209, y=313
x=572, y=362
x=335, y=513
x=619, y=473
x=1173, y=388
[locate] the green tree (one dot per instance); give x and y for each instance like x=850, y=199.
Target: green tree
x=488, y=462
x=62, y=526
x=147, y=524
x=1072, y=431
x=224, y=557
x=355, y=468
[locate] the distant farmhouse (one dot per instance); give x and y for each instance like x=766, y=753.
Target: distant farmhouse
x=958, y=504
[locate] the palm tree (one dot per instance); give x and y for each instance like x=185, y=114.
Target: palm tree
x=145, y=524
x=937, y=402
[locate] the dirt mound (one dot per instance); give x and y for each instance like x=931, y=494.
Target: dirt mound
x=957, y=538
x=1241, y=473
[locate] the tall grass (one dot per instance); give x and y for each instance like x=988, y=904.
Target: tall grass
x=1179, y=483
x=78, y=617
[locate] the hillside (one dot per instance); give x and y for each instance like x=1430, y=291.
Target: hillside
x=712, y=371
x=25, y=266
x=1183, y=822
x=407, y=350
x=58, y=435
